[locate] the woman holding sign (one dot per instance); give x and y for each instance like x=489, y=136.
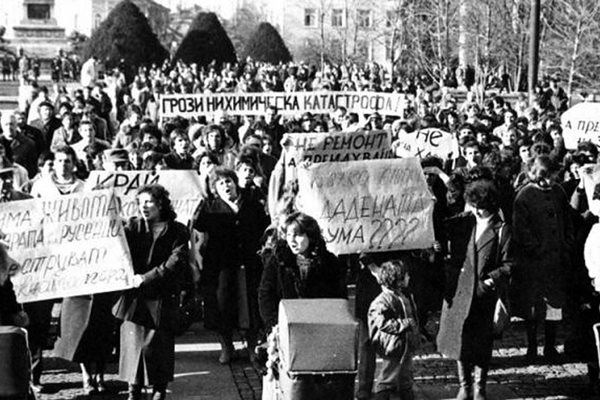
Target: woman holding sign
x=159, y=250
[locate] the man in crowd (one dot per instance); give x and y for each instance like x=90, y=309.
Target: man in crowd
x=23, y=149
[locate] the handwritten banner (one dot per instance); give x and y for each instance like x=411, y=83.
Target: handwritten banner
x=581, y=123
x=372, y=206
x=67, y=246
x=591, y=179
x=424, y=143
x=194, y=105
x=183, y=187
x=333, y=147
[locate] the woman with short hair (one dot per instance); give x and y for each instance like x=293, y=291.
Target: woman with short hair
x=230, y=226
x=159, y=251
x=479, y=265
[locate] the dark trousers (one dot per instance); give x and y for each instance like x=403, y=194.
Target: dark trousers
x=38, y=331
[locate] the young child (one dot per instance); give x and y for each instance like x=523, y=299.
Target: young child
x=394, y=332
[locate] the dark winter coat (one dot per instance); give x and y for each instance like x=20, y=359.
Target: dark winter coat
x=281, y=280
x=233, y=240
x=162, y=262
x=8, y=303
x=466, y=325
x=389, y=329
x=543, y=239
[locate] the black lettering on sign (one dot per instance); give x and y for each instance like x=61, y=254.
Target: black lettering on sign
x=386, y=227
x=345, y=234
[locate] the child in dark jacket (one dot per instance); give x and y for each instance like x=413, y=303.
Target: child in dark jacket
x=394, y=331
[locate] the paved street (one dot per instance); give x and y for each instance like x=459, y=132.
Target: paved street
x=200, y=377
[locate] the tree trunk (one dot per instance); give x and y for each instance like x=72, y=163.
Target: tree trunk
x=463, y=53
x=574, y=56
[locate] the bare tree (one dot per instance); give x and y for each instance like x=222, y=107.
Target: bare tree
x=572, y=41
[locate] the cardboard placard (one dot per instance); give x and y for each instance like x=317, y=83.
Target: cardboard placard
x=183, y=187
x=194, y=105
x=373, y=206
x=67, y=246
x=581, y=123
x=425, y=143
x=333, y=147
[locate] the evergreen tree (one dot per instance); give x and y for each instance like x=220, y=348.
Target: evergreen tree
x=205, y=42
x=125, y=35
x=267, y=45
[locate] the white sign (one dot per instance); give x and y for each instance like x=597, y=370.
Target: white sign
x=333, y=147
x=183, y=187
x=194, y=105
x=374, y=206
x=581, y=123
x=424, y=143
x=67, y=246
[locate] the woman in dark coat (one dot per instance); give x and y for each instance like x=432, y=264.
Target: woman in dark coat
x=300, y=267
x=480, y=262
x=544, y=238
x=230, y=226
x=159, y=251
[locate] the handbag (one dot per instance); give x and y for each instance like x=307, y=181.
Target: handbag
x=188, y=311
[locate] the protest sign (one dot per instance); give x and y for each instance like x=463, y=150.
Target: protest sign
x=67, y=246
x=194, y=105
x=424, y=143
x=333, y=147
x=591, y=179
x=581, y=123
x=183, y=187
x=373, y=206
x=591, y=254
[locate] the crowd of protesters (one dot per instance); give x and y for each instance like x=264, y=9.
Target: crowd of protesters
x=510, y=204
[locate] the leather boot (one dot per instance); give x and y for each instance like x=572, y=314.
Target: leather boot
x=465, y=380
x=480, y=380
x=159, y=392
x=531, y=340
x=226, y=349
x=550, y=352
x=134, y=392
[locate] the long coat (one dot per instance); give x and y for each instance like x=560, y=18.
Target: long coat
x=86, y=328
x=281, y=280
x=543, y=237
x=8, y=303
x=146, y=335
x=233, y=241
x=466, y=325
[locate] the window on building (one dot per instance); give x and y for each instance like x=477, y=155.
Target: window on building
x=310, y=17
x=364, y=18
x=38, y=11
x=337, y=17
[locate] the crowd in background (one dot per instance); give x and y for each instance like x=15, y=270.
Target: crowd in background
x=532, y=183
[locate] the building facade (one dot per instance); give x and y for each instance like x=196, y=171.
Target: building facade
x=360, y=30
x=42, y=27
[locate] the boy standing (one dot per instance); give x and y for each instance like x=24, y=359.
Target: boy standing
x=394, y=332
